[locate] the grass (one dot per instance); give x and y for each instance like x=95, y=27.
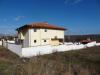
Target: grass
x=77, y=62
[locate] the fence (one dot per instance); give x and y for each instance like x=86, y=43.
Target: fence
x=69, y=47
x=97, y=44
x=34, y=51
x=41, y=50
x=91, y=44
x=5, y=44
x=17, y=49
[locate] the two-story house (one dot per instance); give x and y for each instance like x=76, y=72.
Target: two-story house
x=38, y=34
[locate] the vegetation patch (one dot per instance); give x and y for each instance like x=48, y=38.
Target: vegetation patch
x=75, y=62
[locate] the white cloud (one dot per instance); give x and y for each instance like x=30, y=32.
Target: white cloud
x=72, y=2
x=17, y=18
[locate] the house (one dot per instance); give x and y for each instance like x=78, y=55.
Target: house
x=38, y=34
x=39, y=39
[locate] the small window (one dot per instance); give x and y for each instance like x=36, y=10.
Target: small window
x=45, y=30
x=55, y=37
x=35, y=30
x=34, y=41
x=44, y=40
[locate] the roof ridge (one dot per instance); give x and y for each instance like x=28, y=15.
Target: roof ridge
x=42, y=25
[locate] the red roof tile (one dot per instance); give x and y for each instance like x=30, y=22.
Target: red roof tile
x=40, y=25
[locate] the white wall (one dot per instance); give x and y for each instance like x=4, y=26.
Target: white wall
x=45, y=43
x=11, y=41
x=5, y=44
x=0, y=42
x=97, y=44
x=52, y=33
x=91, y=44
x=41, y=50
x=17, y=49
x=68, y=47
x=28, y=36
x=40, y=35
x=34, y=36
x=33, y=51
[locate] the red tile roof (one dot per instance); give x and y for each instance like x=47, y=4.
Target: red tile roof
x=40, y=25
x=85, y=41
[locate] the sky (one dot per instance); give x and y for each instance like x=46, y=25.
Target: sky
x=78, y=16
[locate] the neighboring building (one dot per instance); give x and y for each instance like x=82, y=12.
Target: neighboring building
x=38, y=34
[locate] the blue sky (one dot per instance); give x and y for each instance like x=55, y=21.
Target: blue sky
x=78, y=16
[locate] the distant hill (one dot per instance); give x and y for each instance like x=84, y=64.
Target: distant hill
x=1, y=35
x=94, y=37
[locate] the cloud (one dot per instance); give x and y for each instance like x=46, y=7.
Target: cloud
x=17, y=18
x=72, y=2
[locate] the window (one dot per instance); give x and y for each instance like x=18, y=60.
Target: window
x=55, y=37
x=34, y=41
x=44, y=40
x=45, y=30
x=35, y=30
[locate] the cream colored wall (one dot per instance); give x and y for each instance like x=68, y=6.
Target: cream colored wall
x=51, y=33
x=21, y=35
x=54, y=42
x=40, y=35
x=24, y=35
x=34, y=36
